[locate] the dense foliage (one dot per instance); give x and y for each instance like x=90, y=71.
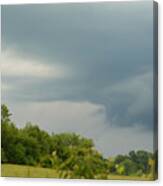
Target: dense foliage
x=70, y=154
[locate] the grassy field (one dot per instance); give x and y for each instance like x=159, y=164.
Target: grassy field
x=9, y=170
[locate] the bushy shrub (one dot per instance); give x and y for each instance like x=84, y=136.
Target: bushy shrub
x=29, y=160
x=47, y=162
x=3, y=156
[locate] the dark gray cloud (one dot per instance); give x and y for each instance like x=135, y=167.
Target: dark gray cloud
x=107, y=48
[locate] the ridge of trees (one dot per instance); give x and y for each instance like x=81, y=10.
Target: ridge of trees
x=72, y=155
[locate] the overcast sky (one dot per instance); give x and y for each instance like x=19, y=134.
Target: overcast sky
x=84, y=68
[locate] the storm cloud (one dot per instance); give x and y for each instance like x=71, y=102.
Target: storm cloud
x=95, y=53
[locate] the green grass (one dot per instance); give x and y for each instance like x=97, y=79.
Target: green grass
x=136, y=178
x=10, y=170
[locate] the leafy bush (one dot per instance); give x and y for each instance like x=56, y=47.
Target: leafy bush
x=47, y=162
x=3, y=156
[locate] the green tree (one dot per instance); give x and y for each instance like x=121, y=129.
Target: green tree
x=5, y=114
x=43, y=139
x=8, y=134
x=141, y=158
x=130, y=168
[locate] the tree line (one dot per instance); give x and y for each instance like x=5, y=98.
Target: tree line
x=72, y=155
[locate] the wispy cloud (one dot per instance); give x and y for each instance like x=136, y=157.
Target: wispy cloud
x=15, y=65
